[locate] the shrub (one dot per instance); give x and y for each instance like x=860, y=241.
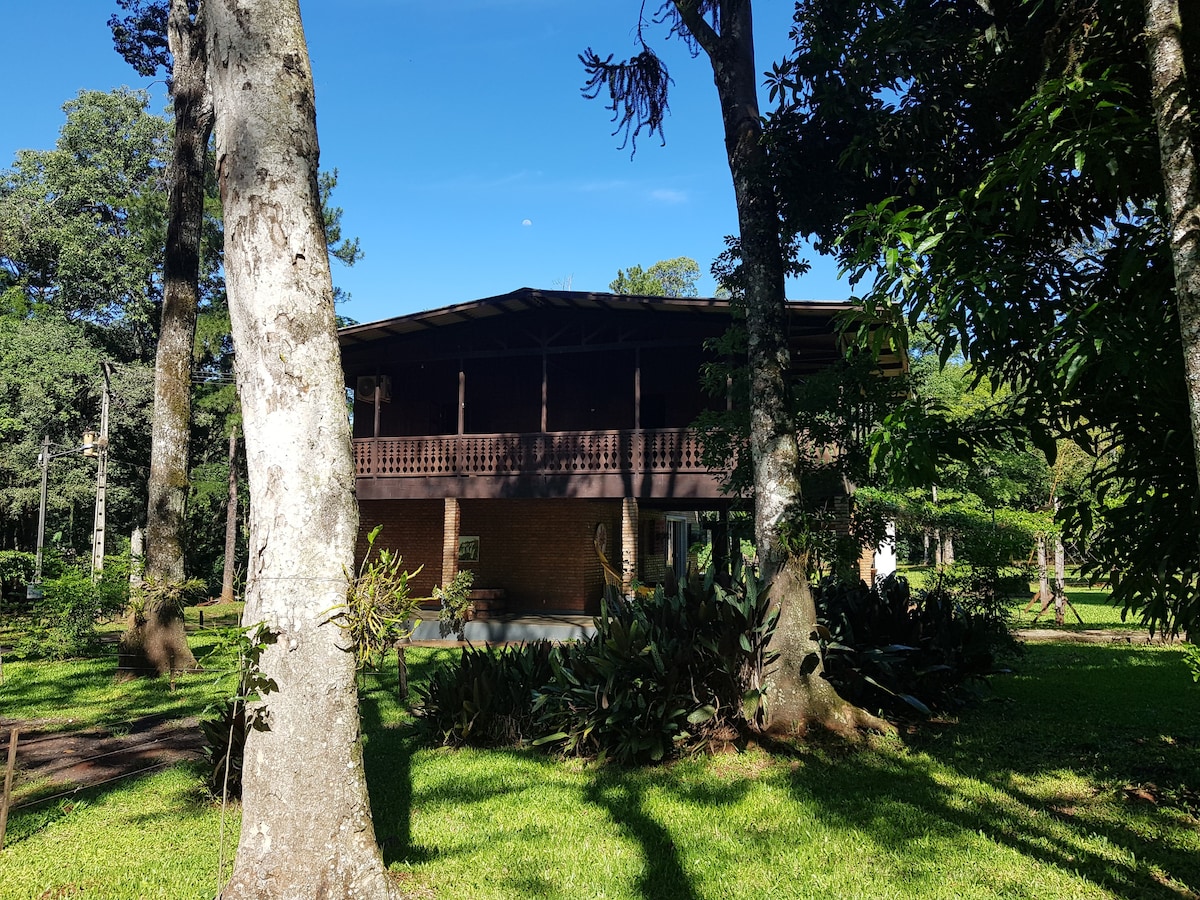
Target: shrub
x=224, y=723
x=224, y=732
x=888, y=650
x=626, y=693
x=486, y=698
x=63, y=622
x=1191, y=658
x=16, y=571
x=661, y=676
x=456, y=605
x=379, y=610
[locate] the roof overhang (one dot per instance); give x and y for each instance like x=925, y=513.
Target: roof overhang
x=819, y=312
x=525, y=299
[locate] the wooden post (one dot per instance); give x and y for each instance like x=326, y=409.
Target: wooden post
x=8, y=778
x=638, y=444
x=377, y=400
x=462, y=398
x=545, y=389
x=401, y=671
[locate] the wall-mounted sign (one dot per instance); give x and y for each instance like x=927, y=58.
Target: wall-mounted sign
x=468, y=549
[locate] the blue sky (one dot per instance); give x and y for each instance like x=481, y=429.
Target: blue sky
x=469, y=164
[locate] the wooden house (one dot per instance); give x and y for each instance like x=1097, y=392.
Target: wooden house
x=524, y=436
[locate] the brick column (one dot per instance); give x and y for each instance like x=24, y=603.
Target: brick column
x=450, y=532
x=866, y=565
x=629, y=542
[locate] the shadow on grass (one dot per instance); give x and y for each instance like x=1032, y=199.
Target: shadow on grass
x=1099, y=722
x=621, y=795
x=389, y=746
x=387, y=761
x=73, y=693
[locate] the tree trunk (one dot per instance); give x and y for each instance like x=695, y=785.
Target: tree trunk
x=157, y=643
x=231, y=522
x=306, y=822
x=1043, y=572
x=948, y=548
x=1179, y=155
x=797, y=694
x=1060, y=581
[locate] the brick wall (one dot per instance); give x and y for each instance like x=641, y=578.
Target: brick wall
x=540, y=551
x=411, y=527
x=652, y=555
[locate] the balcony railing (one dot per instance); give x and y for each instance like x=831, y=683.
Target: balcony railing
x=656, y=451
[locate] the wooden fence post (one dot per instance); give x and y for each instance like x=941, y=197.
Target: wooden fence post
x=8, y=777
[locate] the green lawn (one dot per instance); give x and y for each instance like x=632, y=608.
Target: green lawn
x=1078, y=779
x=1092, y=604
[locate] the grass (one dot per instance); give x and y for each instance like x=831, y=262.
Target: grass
x=1078, y=779
x=1092, y=603
x=1093, y=606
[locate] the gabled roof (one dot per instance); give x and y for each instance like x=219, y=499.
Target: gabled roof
x=524, y=299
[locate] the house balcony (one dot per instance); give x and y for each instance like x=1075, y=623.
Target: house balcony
x=647, y=464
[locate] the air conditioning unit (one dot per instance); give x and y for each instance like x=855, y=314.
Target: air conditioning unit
x=364, y=389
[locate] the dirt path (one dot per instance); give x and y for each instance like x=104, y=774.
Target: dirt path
x=67, y=760
x=1089, y=636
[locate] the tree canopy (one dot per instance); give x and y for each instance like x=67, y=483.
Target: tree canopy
x=666, y=278
x=992, y=171
x=80, y=224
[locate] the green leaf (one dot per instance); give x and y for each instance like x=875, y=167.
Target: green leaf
x=751, y=703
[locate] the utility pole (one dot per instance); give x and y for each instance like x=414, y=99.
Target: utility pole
x=34, y=590
x=99, y=522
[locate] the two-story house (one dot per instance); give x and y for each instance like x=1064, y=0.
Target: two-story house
x=519, y=435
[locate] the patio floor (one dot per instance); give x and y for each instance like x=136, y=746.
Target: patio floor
x=508, y=628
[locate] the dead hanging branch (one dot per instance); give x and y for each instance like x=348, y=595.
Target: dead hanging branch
x=637, y=92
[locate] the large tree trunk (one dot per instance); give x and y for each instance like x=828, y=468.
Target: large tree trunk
x=1179, y=146
x=306, y=823
x=156, y=641
x=231, y=523
x=797, y=694
x=1043, y=572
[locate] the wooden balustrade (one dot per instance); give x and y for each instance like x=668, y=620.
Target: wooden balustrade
x=654, y=451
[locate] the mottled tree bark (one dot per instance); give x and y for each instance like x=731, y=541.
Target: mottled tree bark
x=1060, y=581
x=231, y=520
x=1043, y=573
x=155, y=642
x=1178, y=136
x=306, y=823
x=1173, y=95
x=798, y=695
